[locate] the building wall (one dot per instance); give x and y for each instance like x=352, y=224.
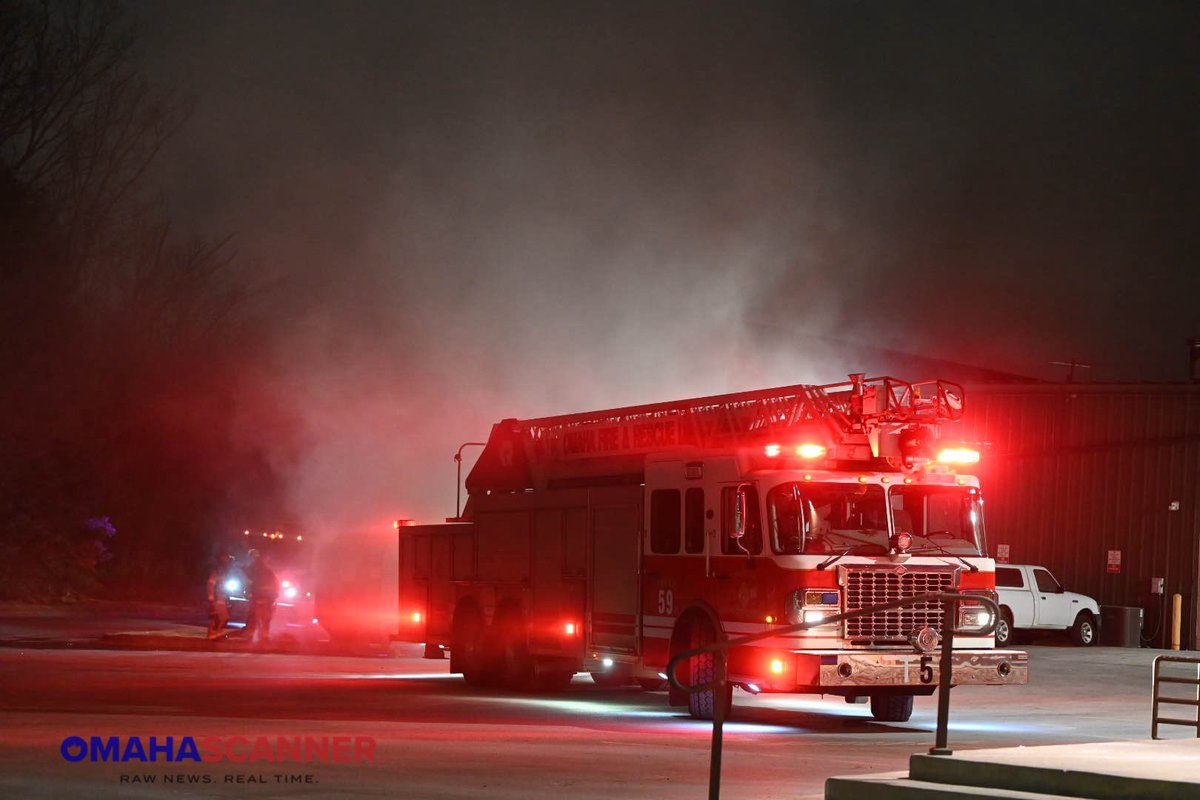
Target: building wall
x=1073, y=471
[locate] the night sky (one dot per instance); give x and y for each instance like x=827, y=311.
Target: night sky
x=464, y=212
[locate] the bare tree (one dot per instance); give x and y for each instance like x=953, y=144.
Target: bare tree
x=79, y=124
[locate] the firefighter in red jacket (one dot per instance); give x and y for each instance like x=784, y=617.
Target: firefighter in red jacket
x=218, y=596
x=262, y=589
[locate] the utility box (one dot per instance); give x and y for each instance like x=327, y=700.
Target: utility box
x=1121, y=626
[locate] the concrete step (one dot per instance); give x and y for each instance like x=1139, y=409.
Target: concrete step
x=1146, y=770
x=898, y=786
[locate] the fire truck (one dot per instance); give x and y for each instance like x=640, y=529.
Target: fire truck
x=609, y=541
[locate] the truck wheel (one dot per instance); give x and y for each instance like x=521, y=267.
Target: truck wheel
x=514, y=667
x=466, y=648
x=703, y=705
x=1004, y=629
x=891, y=707
x=1083, y=632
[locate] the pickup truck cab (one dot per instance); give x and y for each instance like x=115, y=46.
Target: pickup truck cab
x=1032, y=599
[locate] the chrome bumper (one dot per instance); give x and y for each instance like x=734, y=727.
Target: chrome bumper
x=970, y=667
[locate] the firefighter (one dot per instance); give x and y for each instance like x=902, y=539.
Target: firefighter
x=262, y=589
x=218, y=596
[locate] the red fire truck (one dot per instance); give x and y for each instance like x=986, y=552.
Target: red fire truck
x=609, y=541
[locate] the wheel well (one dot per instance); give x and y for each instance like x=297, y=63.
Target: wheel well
x=510, y=612
x=1005, y=611
x=466, y=609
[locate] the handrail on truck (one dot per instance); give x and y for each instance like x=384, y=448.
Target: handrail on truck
x=949, y=602
x=1159, y=679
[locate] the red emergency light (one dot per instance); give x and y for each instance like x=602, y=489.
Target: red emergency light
x=811, y=450
x=404, y=523
x=808, y=450
x=958, y=455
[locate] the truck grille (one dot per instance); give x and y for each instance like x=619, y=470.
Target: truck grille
x=876, y=586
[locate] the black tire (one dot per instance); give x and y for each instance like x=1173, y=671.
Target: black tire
x=703, y=705
x=1083, y=632
x=466, y=648
x=510, y=652
x=1004, y=628
x=652, y=684
x=891, y=707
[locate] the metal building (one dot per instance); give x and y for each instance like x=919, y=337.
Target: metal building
x=1099, y=483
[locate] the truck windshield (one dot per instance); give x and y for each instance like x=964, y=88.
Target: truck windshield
x=814, y=518
x=945, y=518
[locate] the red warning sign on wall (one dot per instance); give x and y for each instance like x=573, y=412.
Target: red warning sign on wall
x=1114, y=560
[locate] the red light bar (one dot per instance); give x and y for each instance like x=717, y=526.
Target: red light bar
x=811, y=450
x=773, y=450
x=958, y=455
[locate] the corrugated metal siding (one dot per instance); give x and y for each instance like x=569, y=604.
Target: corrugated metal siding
x=1073, y=471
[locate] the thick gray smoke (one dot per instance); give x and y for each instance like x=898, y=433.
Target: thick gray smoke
x=469, y=212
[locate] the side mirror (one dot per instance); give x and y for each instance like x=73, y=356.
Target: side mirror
x=739, y=513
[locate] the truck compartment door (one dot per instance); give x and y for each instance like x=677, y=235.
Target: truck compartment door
x=615, y=549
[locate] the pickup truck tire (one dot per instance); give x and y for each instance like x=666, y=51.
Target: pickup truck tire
x=891, y=707
x=1004, y=628
x=1083, y=632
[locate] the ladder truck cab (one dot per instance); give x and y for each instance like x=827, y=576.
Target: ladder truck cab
x=609, y=541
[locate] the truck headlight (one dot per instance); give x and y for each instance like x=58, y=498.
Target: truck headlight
x=800, y=606
x=974, y=617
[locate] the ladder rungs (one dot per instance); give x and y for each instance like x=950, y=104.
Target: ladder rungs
x=1177, y=701
x=1191, y=723
x=1189, y=681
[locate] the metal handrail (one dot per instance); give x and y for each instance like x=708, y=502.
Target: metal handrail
x=949, y=602
x=1159, y=678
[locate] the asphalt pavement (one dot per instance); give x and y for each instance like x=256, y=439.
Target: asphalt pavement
x=434, y=737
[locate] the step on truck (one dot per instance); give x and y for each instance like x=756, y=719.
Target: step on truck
x=607, y=542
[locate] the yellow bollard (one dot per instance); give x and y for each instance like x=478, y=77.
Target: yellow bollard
x=1176, y=613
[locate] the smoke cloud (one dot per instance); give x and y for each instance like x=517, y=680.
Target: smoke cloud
x=470, y=212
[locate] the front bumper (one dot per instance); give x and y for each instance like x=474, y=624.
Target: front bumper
x=969, y=668
x=838, y=671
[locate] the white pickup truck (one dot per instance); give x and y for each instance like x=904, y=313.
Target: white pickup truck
x=1031, y=598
